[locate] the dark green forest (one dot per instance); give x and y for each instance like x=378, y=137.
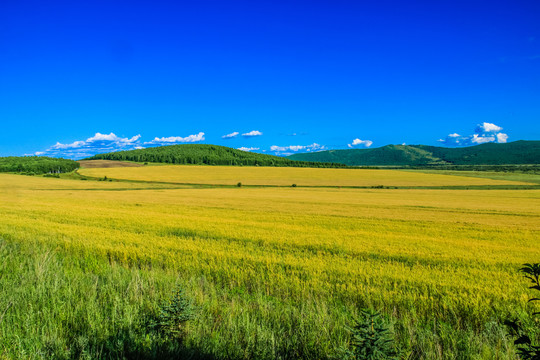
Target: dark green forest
x=206, y=155
x=36, y=165
x=514, y=153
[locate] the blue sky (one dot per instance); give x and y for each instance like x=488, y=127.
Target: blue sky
x=285, y=76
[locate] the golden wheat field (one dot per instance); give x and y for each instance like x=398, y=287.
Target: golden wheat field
x=344, y=242
x=231, y=175
x=450, y=254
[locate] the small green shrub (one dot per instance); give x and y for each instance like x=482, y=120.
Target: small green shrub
x=293, y=185
x=173, y=315
x=239, y=184
x=371, y=338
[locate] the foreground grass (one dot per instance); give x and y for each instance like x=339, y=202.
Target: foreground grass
x=275, y=272
x=59, y=307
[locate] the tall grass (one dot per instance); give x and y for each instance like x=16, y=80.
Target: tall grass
x=54, y=307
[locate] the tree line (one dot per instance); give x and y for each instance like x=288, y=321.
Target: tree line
x=36, y=165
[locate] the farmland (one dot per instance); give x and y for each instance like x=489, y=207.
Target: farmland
x=275, y=272
x=230, y=175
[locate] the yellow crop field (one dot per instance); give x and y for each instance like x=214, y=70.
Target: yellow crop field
x=417, y=254
x=13, y=183
x=231, y=175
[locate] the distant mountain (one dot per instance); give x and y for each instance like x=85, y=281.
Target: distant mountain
x=517, y=152
x=205, y=154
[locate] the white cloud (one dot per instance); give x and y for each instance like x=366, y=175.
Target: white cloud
x=112, y=137
x=486, y=127
x=247, y=148
x=73, y=145
x=287, y=150
x=484, y=133
x=176, y=139
x=479, y=139
x=252, y=133
x=231, y=135
x=358, y=142
x=502, y=138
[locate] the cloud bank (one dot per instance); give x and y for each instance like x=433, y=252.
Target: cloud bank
x=291, y=149
x=484, y=133
x=247, y=148
x=105, y=143
x=176, y=139
x=99, y=143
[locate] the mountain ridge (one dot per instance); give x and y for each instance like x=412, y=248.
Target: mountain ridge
x=514, y=153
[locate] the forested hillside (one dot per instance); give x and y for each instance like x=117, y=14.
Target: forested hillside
x=36, y=164
x=518, y=152
x=205, y=154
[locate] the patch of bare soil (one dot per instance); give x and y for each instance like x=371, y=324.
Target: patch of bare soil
x=89, y=164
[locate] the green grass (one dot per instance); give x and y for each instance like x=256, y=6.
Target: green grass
x=60, y=306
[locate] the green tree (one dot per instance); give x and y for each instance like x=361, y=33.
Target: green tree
x=173, y=315
x=371, y=338
x=526, y=347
